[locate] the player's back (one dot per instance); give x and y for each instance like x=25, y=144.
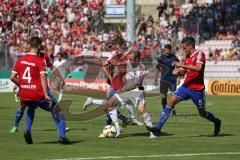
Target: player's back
x=29, y=68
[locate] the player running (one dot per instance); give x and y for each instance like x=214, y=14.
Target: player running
x=29, y=73
x=192, y=88
x=132, y=92
x=115, y=69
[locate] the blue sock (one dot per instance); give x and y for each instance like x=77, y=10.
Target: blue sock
x=164, y=116
x=108, y=119
x=19, y=115
x=30, y=118
x=59, y=119
x=209, y=116
x=121, y=116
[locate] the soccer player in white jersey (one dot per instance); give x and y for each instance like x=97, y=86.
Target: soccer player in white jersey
x=61, y=65
x=131, y=93
x=115, y=69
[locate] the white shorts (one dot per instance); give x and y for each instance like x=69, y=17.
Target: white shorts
x=131, y=97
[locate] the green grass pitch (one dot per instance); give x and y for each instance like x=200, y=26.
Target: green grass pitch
x=187, y=137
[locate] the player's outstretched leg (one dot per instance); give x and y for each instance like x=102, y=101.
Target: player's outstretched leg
x=209, y=116
x=164, y=101
x=59, y=119
x=89, y=101
x=145, y=115
x=114, y=117
x=111, y=109
x=18, y=117
x=132, y=115
x=119, y=115
x=29, y=120
x=60, y=94
x=164, y=116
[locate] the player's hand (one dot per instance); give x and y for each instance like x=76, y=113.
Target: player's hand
x=62, y=84
x=156, y=82
x=177, y=64
x=47, y=98
x=15, y=88
x=119, y=91
x=178, y=81
x=175, y=71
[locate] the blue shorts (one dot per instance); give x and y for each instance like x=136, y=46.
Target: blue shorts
x=198, y=97
x=111, y=92
x=48, y=106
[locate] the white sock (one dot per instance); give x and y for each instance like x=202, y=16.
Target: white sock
x=130, y=111
x=60, y=94
x=147, y=119
x=99, y=102
x=114, y=117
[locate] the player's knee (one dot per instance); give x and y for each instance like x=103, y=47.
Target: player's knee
x=202, y=113
x=57, y=109
x=171, y=104
x=108, y=106
x=21, y=107
x=173, y=101
x=141, y=107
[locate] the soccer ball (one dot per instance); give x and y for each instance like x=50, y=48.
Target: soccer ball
x=109, y=131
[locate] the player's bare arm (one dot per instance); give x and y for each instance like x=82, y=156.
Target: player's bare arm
x=14, y=78
x=105, y=70
x=95, y=60
x=197, y=67
x=44, y=86
x=157, y=71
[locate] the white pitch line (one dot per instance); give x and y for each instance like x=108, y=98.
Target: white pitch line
x=154, y=156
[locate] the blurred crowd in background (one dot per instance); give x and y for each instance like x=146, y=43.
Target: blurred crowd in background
x=64, y=26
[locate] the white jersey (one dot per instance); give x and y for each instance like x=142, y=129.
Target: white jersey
x=136, y=74
x=61, y=66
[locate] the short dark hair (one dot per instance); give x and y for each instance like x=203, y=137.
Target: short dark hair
x=189, y=40
x=118, y=40
x=136, y=54
x=168, y=46
x=35, y=42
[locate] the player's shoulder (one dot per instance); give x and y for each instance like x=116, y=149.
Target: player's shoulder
x=43, y=55
x=199, y=52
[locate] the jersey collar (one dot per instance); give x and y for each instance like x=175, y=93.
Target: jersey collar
x=194, y=53
x=32, y=53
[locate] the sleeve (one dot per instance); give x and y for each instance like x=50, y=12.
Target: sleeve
x=201, y=57
x=47, y=59
x=42, y=67
x=15, y=67
x=159, y=63
x=177, y=59
x=110, y=59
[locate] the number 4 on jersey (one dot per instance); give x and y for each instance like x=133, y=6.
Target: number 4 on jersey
x=27, y=75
